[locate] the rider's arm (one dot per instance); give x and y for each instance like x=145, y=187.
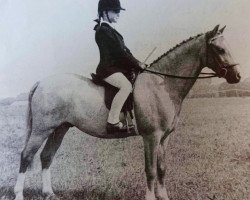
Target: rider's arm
x=120, y=52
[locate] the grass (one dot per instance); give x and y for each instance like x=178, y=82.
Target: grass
x=208, y=157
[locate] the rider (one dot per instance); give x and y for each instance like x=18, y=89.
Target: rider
x=116, y=60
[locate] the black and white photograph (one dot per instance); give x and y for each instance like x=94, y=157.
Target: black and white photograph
x=124, y=100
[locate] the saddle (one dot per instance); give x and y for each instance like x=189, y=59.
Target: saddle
x=110, y=92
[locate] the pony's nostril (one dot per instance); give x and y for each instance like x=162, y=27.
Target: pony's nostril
x=238, y=76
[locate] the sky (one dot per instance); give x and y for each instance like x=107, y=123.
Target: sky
x=45, y=37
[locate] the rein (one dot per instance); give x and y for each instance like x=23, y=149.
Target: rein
x=222, y=72
x=210, y=75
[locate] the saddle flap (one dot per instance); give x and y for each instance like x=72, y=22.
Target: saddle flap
x=97, y=80
x=110, y=92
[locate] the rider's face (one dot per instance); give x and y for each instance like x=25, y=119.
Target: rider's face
x=113, y=16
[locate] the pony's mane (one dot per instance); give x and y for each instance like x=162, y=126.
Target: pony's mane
x=176, y=46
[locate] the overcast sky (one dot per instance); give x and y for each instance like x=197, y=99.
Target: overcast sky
x=43, y=37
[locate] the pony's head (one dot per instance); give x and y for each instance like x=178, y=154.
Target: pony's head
x=219, y=58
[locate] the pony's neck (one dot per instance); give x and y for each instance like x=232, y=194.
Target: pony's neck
x=183, y=60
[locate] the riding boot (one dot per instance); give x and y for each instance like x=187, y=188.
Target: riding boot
x=119, y=128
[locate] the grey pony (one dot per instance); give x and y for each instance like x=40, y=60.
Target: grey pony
x=62, y=101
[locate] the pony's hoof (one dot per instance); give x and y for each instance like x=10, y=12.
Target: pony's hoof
x=18, y=197
x=150, y=196
x=161, y=193
x=50, y=196
x=162, y=198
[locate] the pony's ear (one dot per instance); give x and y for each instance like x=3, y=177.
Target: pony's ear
x=215, y=30
x=213, y=33
x=221, y=30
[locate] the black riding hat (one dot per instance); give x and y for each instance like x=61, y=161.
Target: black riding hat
x=106, y=5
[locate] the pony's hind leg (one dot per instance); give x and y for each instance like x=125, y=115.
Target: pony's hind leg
x=53, y=143
x=34, y=143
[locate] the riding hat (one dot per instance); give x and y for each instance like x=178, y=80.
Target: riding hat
x=106, y=5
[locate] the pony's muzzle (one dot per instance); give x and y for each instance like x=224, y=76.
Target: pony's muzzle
x=233, y=76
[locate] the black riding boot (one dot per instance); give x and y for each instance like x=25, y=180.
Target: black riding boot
x=119, y=128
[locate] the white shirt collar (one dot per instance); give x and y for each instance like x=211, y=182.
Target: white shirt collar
x=110, y=24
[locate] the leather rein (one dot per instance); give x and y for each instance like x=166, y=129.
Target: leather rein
x=222, y=66
x=210, y=75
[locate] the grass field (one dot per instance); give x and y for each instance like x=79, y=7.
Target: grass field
x=208, y=157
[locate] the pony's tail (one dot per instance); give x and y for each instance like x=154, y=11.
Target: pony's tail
x=29, y=112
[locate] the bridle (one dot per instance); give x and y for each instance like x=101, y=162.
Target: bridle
x=221, y=72
x=223, y=67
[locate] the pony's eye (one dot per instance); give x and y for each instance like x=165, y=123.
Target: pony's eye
x=220, y=50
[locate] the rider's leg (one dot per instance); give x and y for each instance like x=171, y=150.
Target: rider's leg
x=125, y=87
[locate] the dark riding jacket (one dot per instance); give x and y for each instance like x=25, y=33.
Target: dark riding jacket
x=114, y=55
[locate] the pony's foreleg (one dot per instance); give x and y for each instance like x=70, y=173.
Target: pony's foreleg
x=151, y=145
x=19, y=186
x=53, y=143
x=34, y=143
x=161, y=192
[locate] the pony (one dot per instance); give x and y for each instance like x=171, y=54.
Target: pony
x=62, y=101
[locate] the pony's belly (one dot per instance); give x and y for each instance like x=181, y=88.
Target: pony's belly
x=93, y=121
